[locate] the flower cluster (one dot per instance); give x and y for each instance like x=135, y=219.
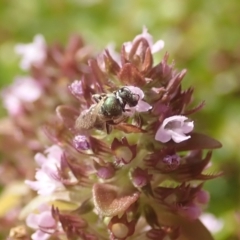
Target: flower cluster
x=133, y=173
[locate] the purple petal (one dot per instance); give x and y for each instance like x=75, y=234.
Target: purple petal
x=143, y=106
x=39, y=235
x=179, y=136
x=145, y=35
x=40, y=159
x=32, y=221
x=12, y=104
x=44, y=207
x=81, y=142
x=76, y=88
x=128, y=46
x=45, y=184
x=39, y=40
x=46, y=220
x=19, y=49
x=32, y=184
x=176, y=118
x=46, y=190
x=27, y=85
x=54, y=152
x=202, y=197
x=162, y=135
x=212, y=223
x=159, y=45
x=192, y=212
x=188, y=127
x=136, y=90
x=33, y=53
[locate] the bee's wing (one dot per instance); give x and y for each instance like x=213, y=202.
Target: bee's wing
x=89, y=118
x=86, y=119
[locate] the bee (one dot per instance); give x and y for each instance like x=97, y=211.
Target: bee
x=108, y=110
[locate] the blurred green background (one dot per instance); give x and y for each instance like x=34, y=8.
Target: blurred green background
x=202, y=36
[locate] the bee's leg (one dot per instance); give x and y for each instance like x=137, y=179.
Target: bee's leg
x=98, y=97
x=138, y=120
x=117, y=121
x=126, y=110
x=121, y=119
x=108, y=128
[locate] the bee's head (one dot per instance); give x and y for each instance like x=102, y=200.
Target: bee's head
x=128, y=97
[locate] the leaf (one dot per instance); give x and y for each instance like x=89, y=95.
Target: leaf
x=108, y=202
x=11, y=196
x=194, y=230
x=189, y=230
x=129, y=75
x=67, y=114
x=111, y=65
x=197, y=141
x=129, y=128
x=148, y=61
x=39, y=200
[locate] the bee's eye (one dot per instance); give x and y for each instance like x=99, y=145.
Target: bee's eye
x=123, y=89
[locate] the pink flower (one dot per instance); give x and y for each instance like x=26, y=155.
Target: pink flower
x=33, y=54
x=48, y=179
x=202, y=197
x=24, y=89
x=191, y=211
x=174, y=128
x=76, y=88
x=81, y=142
x=142, y=106
x=116, y=57
x=54, y=154
x=212, y=223
x=43, y=222
x=154, y=47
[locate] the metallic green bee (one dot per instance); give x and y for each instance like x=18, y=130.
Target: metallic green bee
x=108, y=110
